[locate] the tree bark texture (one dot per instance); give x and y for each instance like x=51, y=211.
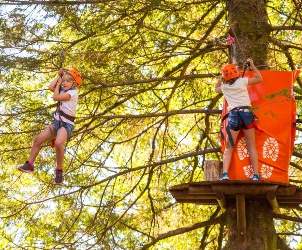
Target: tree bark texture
x=260, y=231
x=249, y=25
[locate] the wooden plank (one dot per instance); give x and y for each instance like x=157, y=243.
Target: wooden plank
x=199, y=202
x=283, y=186
x=289, y=198
x=289, y=205
x=201, y=190
x=293, y=201
x=286, y=191
x=179, y=196
x=271, y=197
x=222, y=192
x=246, y=182
x=252, y=189
x=241, y=217
x=297, y=197
x=179, y=187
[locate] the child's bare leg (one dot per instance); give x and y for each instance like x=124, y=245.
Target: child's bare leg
x=251, y=146
x=227, y=155
x=46, y=134
x=59, y=146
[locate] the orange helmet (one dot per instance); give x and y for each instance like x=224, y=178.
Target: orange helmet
x=76, y=75
x=229, y=71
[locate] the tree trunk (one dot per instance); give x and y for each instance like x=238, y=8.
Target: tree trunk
x=260, y=231
x=249, y=24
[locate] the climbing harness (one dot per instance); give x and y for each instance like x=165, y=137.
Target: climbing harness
x=60, y=112
x=228, y=130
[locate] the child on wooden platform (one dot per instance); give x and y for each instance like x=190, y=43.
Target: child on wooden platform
x=240, y=116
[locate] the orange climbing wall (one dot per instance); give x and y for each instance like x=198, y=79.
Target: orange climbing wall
x=274, y=105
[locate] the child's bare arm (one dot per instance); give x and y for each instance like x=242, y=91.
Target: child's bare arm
x=60, y=97
x=53, y=83
x=257, y=77
x=218, y=86
x=58, y=79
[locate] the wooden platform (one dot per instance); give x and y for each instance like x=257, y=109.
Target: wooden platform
x=219, y=192
x=222, y=192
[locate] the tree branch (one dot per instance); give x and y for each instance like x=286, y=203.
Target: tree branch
x=169, y=113
x=293, y=27
x=51, y=2
x=183, y=230
x=156, y=164
x=155, y=79
x=287, y=217
x=281, y=245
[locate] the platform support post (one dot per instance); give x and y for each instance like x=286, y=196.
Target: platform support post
x=241, y=217
x=221, y=201
x=272, y=199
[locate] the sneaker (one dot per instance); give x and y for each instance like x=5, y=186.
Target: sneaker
x=26, y=167
x=59, y=176
x=224, y=177
x=256, y=177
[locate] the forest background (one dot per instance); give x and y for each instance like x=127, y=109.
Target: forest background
x=148, y=118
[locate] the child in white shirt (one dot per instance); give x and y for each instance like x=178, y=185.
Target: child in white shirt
x=65, y=92
x=240, y=117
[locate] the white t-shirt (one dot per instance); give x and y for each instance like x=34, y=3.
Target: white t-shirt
x=68, y=107
x=236, y=94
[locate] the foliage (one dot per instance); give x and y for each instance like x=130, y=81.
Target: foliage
x=145, y=63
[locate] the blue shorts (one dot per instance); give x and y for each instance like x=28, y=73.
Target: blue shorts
x=59, y=124
x=241, y=119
